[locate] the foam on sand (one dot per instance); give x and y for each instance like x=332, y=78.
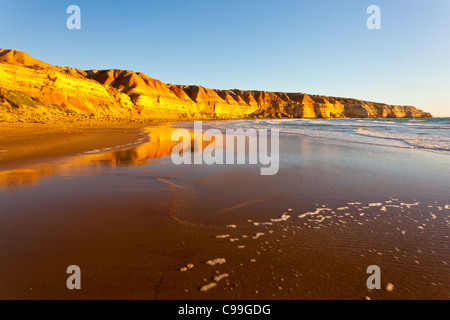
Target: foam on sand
x=258, y=235
x=221, y=277
x=284, y=217
x=409, y=205
x=257, y=224
x=208, y=287
x=375, y=204
x=320, y=220
x=318, y=210
x=214, y=262
x=188, y=267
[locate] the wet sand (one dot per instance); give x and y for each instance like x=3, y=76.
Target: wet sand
x=132, y=221
x=23, y=144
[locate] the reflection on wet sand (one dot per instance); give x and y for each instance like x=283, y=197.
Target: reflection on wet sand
x=24, y=176
x=160, y=145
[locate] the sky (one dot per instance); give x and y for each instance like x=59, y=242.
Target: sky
x=311, y=46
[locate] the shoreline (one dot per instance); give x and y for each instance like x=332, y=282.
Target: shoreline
x=31, y=144
x=22, y=144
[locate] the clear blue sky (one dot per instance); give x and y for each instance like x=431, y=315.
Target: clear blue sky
x=312, y=46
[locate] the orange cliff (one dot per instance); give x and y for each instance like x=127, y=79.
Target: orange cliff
x=34, y=91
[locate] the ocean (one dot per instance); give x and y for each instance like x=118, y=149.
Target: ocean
x=426, y=134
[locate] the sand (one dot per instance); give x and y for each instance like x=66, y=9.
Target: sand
x=26, y=143
x=132, y=221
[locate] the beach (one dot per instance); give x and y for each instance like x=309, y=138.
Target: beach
x=139, y=227
x=28, y=143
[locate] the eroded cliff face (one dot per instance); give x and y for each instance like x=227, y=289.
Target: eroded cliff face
x=31, y=90
x=34, y=91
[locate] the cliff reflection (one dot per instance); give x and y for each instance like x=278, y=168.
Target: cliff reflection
x=160, y=145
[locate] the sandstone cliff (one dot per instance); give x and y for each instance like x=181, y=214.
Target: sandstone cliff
x=34, y=91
